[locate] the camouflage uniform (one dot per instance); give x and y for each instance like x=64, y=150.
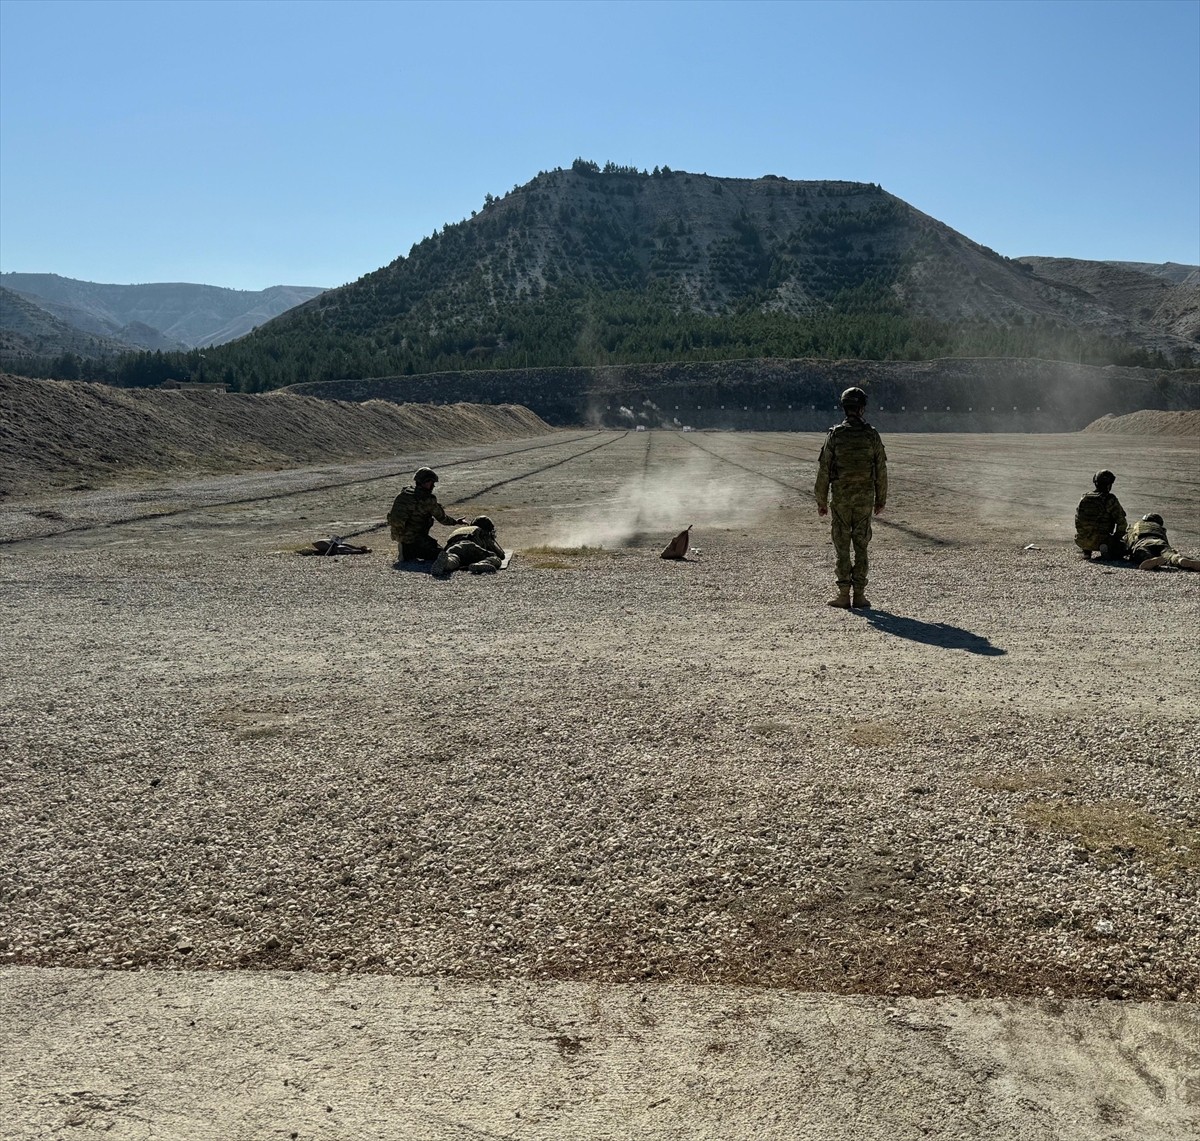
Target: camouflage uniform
x=469, y=546
x=853, y=464
x=411, y=517
x=1148, y=540
x=1100, y=522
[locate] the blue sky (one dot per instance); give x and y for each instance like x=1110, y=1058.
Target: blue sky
x=307, y=143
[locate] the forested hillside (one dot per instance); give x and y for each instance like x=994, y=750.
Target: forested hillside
x=591, y=267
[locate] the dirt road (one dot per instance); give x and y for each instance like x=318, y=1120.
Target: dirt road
x=598, y=777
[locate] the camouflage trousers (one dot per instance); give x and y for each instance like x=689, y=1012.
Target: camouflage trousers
x=1114, y=544
x=1159, y=550
x=852, y=528
x=423, y=549
x=463, y=554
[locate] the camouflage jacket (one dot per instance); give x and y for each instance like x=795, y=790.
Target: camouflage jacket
x=1098, y=518
x=853, y=462
x=413, y=513
x=1145, y=533
x=478, y=536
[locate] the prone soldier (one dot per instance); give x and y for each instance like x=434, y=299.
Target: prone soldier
x=473, y=546
x=1149, y=547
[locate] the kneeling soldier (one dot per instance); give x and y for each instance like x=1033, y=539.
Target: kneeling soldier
x=412, y=516
x=1100, y=520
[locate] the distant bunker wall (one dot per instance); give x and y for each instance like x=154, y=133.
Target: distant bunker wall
x=963, y=395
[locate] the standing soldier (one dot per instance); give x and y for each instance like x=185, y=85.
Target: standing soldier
x=412, y=516
x=1100, y=520
x=853, y=465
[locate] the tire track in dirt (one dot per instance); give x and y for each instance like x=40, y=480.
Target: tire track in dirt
x=336, y=485
x=535, y=471
x=1013, y=471
x=924, y=536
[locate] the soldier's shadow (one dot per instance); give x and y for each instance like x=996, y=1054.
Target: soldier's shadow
x=931, y=633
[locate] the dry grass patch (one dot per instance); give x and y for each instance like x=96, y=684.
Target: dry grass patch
x=252, y=725
x=872, y=735
x=1110, y=830
x=558, y=558
x=1051, y=780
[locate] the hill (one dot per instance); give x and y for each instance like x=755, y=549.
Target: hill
x=166, y=316
x=1164, y=298
x=59, y=433
x=583, y=267
x=31, y=338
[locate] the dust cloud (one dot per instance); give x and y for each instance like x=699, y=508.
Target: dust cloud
x=700, y=490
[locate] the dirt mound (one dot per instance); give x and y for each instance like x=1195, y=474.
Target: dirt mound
x=1149, y=422
x=60, y=432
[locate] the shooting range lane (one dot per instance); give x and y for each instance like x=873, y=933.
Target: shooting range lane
x=1000, y=483
x=1003, y=482
x=212, y=494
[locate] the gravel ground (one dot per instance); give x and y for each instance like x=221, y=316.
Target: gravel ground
x=598, y=766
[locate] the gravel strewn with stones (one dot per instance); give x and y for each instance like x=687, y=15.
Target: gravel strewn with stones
x=600, y=766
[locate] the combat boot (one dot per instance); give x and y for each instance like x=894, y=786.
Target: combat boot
x=440, y=568
x=842, y=600
x=860, y=599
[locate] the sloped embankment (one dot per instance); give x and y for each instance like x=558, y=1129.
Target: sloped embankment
x=950, y=395
x=1149, y=422
x=61, y=432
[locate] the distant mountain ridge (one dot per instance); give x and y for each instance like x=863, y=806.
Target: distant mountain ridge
x=168, y=315
x=590, y=267
x=587, y=267
x=30, y=334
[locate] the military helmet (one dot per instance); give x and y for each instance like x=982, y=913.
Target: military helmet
x=1154, y=518
x=854, y=398
x=484, y=522
x=424, y=475
x=1103, y=480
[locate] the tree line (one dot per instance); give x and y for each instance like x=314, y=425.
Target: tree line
x=591, y=327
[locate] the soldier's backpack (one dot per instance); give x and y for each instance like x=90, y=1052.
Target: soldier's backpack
x=1091, y=516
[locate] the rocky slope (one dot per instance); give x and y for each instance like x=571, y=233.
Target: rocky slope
x=1161, y=297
